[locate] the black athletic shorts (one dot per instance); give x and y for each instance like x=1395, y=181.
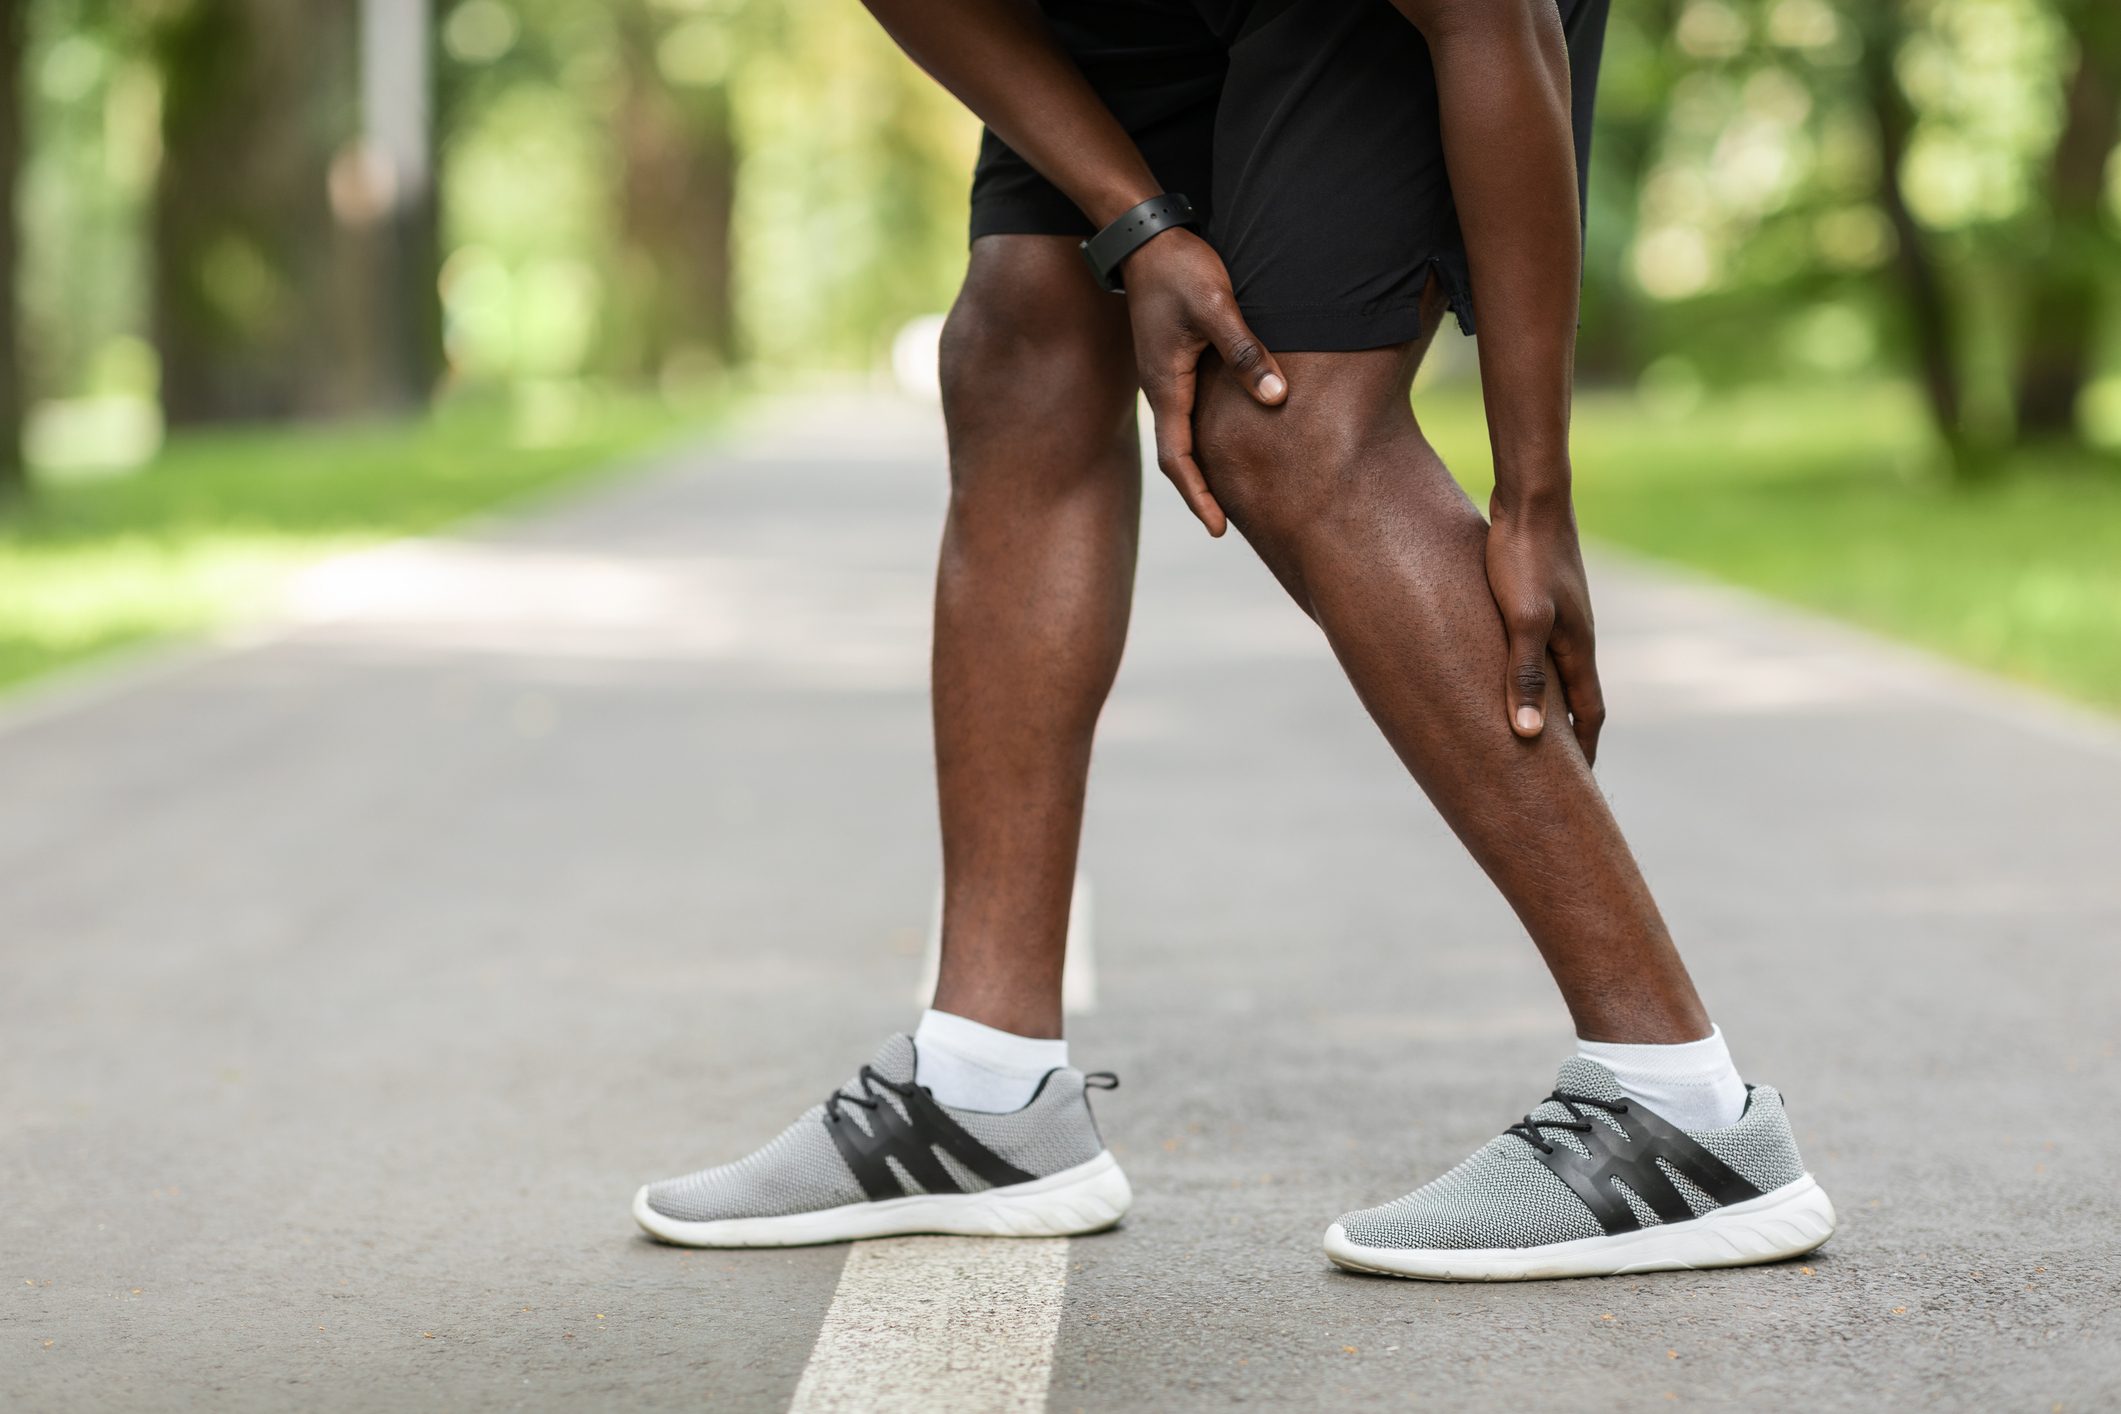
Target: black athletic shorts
x=1305, y=131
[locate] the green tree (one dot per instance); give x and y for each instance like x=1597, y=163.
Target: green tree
x=677, y=189
x=2006, y=307
x=14, y=31
x=1925, y=294
x=257, y=96
x=2071, y=261
x=294, y=246
x=389, y=312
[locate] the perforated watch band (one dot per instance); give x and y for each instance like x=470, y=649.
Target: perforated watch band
x=1134, y=229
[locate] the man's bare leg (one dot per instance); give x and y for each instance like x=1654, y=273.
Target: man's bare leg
x=1032, y=597
x=1031, y=604
x=1345, y=500
x=1351, y=508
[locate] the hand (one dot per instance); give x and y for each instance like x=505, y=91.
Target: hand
x=1535, y=571
x=1180, y=301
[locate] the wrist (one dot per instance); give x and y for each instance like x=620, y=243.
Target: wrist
x=1109, y=203
x=1533, y=499
x=1154, y=250
x=1111, y=247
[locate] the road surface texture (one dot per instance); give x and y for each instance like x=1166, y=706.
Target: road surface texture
x=356, y=974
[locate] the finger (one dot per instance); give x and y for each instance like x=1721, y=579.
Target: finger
x=1171, y=408
x=1185, y=475
x=1578, y=668
x=1246, y=356
x=1528, y=672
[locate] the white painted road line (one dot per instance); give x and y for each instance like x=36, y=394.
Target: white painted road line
x=1079, y=968
x=939, y=1325
x=1078, y=971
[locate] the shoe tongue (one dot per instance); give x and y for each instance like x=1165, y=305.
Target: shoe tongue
x=1580, y=1077
x=895, y=1059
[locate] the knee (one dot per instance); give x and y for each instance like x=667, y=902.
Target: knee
x=1032, y=376
x=987, y=354
x=1276, y=471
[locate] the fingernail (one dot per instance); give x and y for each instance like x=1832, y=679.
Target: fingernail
x=1271, y=386
x=1528, y=719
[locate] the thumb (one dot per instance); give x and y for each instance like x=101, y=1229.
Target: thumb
x=1528, y=675
x=1246, y=356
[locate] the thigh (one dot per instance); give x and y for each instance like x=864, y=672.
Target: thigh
x=1334, y=208
x=1159, y=67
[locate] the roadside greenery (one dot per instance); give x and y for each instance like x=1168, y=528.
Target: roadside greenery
x=207, y=532
x=1827, y=498
x=1831, y=498
x=1850, y=287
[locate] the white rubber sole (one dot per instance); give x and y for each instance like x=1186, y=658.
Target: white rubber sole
x=1087, y=1198
x=1788, y=1222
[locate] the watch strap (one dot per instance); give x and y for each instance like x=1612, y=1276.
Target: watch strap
x=1135, y=228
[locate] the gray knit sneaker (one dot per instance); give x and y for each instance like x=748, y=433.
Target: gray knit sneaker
x=881, y=1157
x=1591, y=1183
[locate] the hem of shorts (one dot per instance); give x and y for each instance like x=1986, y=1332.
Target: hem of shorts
x=1343, y=329
x=1028, y=223
x=1335, y=330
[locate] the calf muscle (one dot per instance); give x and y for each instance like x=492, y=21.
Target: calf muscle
x=1352, y=509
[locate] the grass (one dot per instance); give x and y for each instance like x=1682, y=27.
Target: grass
x=1826, y=498
x=1829, y=499
x=218, y=521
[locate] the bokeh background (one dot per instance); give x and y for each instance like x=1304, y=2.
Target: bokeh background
x=289, y=276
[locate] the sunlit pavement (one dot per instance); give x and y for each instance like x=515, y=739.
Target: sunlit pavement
x=355, y=977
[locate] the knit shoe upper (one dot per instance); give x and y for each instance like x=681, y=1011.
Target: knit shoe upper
x=917, y=1147
x=1512, y=1193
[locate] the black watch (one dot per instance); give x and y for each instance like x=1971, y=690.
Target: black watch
x=1131, y=232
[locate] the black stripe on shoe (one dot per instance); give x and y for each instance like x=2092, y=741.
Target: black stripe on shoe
x=912, y=1138
x=1636, y=1155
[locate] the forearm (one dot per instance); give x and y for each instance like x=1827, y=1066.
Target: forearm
x=1502, y=76
x=998, y=58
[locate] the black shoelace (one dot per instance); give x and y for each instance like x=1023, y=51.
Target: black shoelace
x=1528, y=1128
x=868, y=1079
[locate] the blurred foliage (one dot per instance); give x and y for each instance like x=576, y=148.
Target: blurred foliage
x=94, y=113
x=1741, y=230
x=1750, y=224
x=847, y=219
x=850, y=200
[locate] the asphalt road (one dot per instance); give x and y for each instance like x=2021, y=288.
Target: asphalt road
x=355, y=975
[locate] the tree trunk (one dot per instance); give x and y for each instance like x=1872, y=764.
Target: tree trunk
x=2070, y=274
x=389, y=309
x=1610, y=342
x=258, y=97
x=14, y=21
x=677, y=197
x=1930, y=314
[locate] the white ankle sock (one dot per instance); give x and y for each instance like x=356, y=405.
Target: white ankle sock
x=974, y=1067
x=1693, y=1084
